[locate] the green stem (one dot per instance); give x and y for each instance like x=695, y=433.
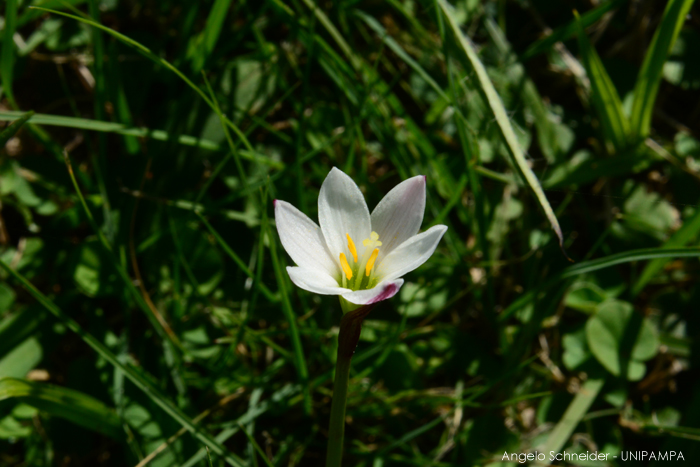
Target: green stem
x=336, y=428
x=350, y=327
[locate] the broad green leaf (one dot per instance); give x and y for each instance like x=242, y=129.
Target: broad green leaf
x=19, y=361
x=649, y=213
x=608, y=335
x=576, y=349
x=499, y=112
x=11, y=428
x=585, y=296
x=13, y=182
x=92, y=273
x=649, y=77
x=613, y=122
x=57, y=401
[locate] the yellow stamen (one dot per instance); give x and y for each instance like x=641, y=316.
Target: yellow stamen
x=372, y=241
x=370, y=263
x=346, y=267
x=351, y=247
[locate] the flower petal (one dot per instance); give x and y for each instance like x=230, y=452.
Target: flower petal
x=303, y=239
x=315, y=281
x=399, y=214
x=411, y=253
x=382, y=291
x=342, y=210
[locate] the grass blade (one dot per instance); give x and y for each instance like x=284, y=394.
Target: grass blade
x=647, y=84
x=231, y=145
x=685, y=234
x=202, y=46
x=58, y=401
x=398, y=50
x=598, y=264
x=236, y=259
x=411, y=435
x=156, y=319
x=14, y=127
x=573, y=415
x=499, y=112
x=569, y=30
x=111, y=127
x=613, y=122
x=7, y=58
x=627, y=257
x=139, y=381
x=160, y=61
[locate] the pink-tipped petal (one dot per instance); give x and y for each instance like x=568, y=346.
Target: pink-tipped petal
x=382, y=291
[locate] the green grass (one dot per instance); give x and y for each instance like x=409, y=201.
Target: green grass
x=146, y=316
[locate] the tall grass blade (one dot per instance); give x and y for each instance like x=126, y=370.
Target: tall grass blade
x=156, y=319
x=613, y=122
x=202, y=45
x=649, y=77
x=506, y=129
x=398, y=50
x=627, y=257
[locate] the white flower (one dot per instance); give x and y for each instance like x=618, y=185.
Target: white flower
x=359, y=256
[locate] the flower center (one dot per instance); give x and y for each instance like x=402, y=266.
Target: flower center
x=362, y=281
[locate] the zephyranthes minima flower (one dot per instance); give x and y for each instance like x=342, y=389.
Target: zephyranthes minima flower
x=359, y=256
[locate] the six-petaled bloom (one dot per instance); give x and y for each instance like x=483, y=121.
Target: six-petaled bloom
x=359, y=256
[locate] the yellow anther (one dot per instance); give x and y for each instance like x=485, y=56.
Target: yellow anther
x=351, y=247
x=346, y=267
x=372, y=241
x=370, y=263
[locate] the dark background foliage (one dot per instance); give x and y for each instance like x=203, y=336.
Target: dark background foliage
x=161, y=299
